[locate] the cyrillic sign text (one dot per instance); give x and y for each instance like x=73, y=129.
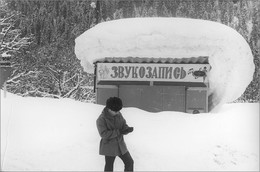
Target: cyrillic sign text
x=151, y=72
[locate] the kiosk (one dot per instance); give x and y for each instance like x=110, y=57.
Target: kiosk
x=154, y=84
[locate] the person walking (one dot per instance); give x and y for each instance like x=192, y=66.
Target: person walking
x=112, y=127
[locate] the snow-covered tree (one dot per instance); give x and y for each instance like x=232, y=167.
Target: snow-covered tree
x=55, y=74
x=12, y=40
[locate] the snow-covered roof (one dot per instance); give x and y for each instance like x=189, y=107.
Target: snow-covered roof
x=191, y=60
x=229, y=54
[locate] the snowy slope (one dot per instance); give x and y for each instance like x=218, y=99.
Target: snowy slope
x=229, y=54
x=60, y=134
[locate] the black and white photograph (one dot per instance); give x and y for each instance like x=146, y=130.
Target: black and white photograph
x=129, y=85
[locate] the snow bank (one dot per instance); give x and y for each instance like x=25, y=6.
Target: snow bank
x=229, y=54
x=42, y=134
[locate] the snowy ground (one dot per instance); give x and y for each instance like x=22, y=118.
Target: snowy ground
x=60, y=134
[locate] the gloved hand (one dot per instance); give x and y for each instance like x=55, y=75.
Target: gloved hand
x=128, y=130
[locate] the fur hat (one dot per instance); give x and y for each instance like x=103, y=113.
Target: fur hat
x=114, y=104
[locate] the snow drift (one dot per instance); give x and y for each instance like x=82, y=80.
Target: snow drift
x=43, y=134
x=229, y=54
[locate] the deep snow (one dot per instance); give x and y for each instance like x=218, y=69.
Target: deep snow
x=60, y=134
x=229, y=54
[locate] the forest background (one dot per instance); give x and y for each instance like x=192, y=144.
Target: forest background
x=38, y=38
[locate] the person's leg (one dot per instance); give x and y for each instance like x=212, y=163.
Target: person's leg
x=128, y=161
x=109, y=163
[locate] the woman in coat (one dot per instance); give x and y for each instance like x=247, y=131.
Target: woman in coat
x=112, y=126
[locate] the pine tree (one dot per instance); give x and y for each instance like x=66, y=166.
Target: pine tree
x=118, y=14
x=98, y=12
x=226, y=19
x=225, y=12
x=191, y=10
x=145, y=12
x=136, y=11
x=165, y=11
x=244, y=19
x=202, y=10
x=180, y=10
x=206, y=15
x=209, y=6
x=215, y=15
x=152, y=12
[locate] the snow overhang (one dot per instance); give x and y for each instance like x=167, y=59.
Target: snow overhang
x=229, y=54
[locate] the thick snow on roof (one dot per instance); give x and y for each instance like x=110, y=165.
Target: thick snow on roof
x=229, y=54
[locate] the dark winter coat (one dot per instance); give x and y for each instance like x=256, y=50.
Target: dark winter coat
x=112, y=142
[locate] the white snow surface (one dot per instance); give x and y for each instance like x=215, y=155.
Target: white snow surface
x=43, y=134
x=229, y=54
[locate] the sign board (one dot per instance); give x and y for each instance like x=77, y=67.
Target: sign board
x=5, y=69
x=152, y=72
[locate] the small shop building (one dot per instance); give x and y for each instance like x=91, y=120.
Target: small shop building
x=154, y=84
x=166, y=63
